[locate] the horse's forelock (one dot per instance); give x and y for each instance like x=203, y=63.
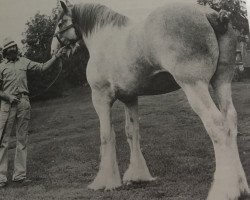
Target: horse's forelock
x=88, y=16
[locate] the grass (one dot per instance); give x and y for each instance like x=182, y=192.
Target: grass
x=64, y=148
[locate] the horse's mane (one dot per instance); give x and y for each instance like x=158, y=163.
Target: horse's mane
x=88, y=16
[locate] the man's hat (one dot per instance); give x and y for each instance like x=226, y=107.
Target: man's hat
x=8, y=42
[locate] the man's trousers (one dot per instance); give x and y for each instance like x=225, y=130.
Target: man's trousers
x=10, y=115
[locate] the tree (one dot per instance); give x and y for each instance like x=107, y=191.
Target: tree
x=38, y=37
x=37, y=41
x=238, y=13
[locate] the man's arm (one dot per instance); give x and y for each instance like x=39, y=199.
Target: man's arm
x=3, y=96
x=35, y=66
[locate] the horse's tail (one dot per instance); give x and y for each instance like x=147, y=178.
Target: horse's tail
x=219, y=21
x=227, y=41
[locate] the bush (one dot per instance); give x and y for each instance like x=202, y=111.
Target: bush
x=37, y=41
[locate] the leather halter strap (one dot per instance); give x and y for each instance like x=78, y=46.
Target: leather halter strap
x=78, y=33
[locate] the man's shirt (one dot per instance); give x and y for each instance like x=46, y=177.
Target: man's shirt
x=13, y=75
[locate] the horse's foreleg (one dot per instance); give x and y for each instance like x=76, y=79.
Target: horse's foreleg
x=108, y=176
x=137, y=170
x=228, y=181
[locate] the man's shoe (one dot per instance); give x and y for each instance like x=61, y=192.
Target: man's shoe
x=3, y=184
x=23, y=181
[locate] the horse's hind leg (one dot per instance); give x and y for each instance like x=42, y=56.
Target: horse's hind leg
x=227, y=183
x=221, y=83
x=137, y=170
x=223, y=76
x=223, y=93
x=108, y=176
x=222, y=87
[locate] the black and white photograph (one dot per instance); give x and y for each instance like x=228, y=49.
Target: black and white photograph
x=124, y=100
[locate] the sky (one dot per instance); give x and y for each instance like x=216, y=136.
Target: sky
x=15, y=13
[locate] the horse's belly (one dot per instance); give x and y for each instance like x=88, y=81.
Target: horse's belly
x=160, y=82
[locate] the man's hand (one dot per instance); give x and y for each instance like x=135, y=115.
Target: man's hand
x=61, y=52
x=13, y=99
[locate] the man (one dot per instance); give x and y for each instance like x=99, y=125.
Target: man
x=15, y=107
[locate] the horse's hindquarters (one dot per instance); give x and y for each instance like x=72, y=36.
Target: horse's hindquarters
x=182, y=41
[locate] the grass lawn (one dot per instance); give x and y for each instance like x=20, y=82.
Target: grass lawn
x=64, y=148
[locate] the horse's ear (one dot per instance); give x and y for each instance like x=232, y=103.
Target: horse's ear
x=68, y=3
x=64, y=7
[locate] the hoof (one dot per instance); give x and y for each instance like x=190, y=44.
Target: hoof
x=235, y=193
x=105, y=182
x=96, y=186
x=137, y=175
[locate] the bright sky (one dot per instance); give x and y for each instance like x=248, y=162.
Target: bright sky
x=15, y=13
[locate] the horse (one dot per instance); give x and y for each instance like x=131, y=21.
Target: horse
x=179, y=45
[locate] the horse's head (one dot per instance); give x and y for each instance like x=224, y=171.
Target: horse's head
x=66, y=33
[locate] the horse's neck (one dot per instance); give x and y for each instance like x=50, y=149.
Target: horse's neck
x=100, y=34
x=95, y=19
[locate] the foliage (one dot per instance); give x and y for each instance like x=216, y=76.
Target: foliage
x=238, y=15
x=38, y=37
x=37, y=41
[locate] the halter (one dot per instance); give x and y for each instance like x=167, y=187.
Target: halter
x=78, y=34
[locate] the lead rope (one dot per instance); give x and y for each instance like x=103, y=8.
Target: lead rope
x=52, y=83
